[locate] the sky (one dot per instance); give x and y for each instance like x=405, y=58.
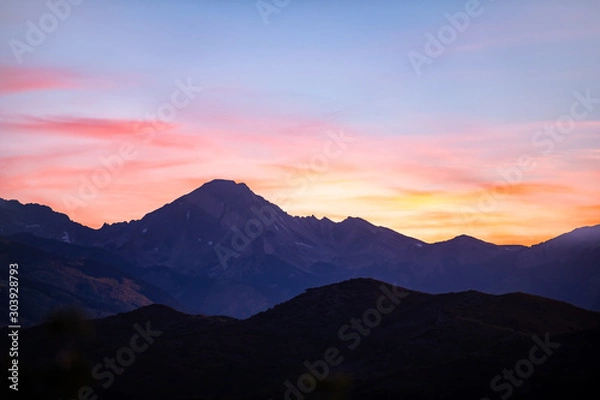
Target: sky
x=435, y=118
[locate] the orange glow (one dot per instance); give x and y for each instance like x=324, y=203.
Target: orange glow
x=417, y=185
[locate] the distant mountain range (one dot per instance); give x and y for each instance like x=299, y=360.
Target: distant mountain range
x=358, y=339
x=223, y=250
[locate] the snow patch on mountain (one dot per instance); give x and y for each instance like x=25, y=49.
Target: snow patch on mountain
x=66, y=238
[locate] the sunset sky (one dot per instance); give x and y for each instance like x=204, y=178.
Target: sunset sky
x=319, y=106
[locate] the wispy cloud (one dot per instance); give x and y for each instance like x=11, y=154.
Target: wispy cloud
x=17, y=79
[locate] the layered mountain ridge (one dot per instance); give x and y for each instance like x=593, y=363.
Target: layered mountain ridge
x=222, y=250
x=424, y=346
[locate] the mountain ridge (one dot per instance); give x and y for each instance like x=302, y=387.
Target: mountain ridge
x=221, y=249
x=222, y=188
x=425, y=346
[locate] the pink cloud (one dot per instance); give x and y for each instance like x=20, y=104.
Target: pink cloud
x=407, y=178
x=83, y=127
x=18, y=79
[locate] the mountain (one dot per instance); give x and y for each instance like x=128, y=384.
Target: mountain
x=357, y=339
x=63, y=275
x=39, y=220
x=222, y=216
x=566, y=267
x=221, y=249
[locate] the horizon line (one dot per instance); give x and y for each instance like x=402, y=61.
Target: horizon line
x=241, y=183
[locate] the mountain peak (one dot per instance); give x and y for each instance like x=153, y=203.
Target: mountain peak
x=220, y=184
x=223, y=189
x=220, y=181
x=466, y=239
x=583, y=235
x=357, y=222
